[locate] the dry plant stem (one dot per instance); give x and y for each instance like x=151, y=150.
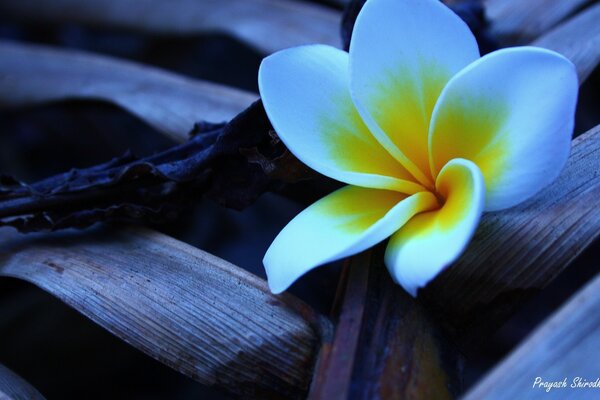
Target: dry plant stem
x=108, y=183
x=252, y=21
x=32, y=74
x=578, y=39
x=517, y=21
x=13, y=387
x=231, y=163
x=554, y=351
x=384, y=346
x=517, y=252
x=188, y=309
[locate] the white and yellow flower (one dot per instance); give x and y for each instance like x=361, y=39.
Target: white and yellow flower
x=426, y=134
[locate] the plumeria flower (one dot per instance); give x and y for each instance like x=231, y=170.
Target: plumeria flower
x=426, y=134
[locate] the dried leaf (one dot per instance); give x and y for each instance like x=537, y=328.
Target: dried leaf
x=564, y=347
x=13, y=387
x=170, y=103
x=578, y=39
x=517, y=21
x=252, y=21
x=188, y=309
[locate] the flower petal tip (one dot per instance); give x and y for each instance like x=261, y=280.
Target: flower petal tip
x=410, y=286
x=276, y=289
x=277, y=281
x=431, y=241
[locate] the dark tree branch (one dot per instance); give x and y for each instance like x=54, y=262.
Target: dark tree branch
x=233, y=163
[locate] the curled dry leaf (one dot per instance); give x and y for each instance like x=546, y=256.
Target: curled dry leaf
x=188, y=309
x=517, y=21
x=578, y=39
x=13, y=387
x=553, y=351
x=252, y=21
x=170, y=103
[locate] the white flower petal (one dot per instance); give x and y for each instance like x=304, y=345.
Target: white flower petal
x=512, y=113
x=431, y=241
x=341, y=224
x=305, y=91
x=402, y=54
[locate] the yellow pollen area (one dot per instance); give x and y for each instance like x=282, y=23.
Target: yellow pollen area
x=357, y=209
x=352, y=146
x=402, y=104
x=456, y=187
x=472, y=129
x=454, y=191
